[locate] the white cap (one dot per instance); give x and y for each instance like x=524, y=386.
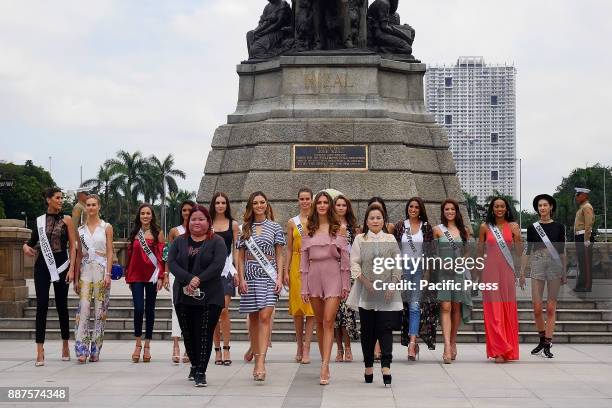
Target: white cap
x=82, y=190
x=582, y=190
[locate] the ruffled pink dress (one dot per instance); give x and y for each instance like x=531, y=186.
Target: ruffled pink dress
x=325, y=266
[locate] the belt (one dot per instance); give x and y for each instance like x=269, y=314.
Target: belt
x=581, y=232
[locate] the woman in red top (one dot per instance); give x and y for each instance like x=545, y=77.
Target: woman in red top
x=145, y=274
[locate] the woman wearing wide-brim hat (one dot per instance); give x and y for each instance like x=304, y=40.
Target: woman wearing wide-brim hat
x=545, y=253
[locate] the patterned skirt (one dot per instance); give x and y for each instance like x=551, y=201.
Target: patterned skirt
x=260, y=293
x=347, y=318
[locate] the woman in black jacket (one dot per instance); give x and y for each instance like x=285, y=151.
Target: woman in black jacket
x=196, y=260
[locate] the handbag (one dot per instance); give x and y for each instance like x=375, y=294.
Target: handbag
x=116, y=272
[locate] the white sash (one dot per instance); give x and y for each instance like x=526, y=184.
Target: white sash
x=502, y=245
x=150, y=255
x=408, y=234
x=549, y=245
x=181, y=229
x=260, y=257
x=298, y=224
x=229, y=269
x=449, y=237
x=47, y=253
x=88, y=246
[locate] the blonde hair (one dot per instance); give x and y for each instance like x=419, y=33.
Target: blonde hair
x=95, y=197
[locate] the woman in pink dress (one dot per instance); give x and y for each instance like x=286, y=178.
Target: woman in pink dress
x=325, y=272
x=501, y=236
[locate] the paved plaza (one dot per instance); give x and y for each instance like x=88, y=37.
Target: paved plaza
x=579, y=376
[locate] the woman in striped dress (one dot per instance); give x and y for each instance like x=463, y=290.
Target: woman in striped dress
x=260, y=249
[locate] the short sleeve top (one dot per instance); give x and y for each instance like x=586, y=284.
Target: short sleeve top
x=556, y=233
x=271, y=235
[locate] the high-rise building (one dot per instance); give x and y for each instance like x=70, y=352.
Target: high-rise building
x=476, y=103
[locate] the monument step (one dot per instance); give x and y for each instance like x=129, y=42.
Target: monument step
x=289, y=336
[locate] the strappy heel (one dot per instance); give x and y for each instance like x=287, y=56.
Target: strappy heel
x=218, y=361
x=259, y=376
x=40, y=363
x=136, y=355
x=185, y=358
x=454, y=352
x=176, y=355
x=226, y=362
x=348, y=355
x=446, y=357
x=340, y=355
x=248, y=356
x=146, y=358
x=324, y=381
x=416, y=351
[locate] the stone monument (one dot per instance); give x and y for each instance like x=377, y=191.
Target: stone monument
x=325, y=113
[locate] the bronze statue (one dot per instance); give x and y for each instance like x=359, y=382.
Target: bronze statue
x=386, y=35
x=304, y=25
x=274, y=34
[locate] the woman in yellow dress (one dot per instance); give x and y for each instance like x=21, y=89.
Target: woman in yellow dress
x=296, y=229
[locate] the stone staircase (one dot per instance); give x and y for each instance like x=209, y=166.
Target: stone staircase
x=578, y=321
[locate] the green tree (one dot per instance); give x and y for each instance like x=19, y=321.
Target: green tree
x=127, y=170
x=165, y=172
x=102, y=185
x=174, y=200
x=591, y=178
x=27, y=193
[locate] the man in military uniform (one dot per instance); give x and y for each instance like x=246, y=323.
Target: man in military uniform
x=79, y=214
x=583, y=236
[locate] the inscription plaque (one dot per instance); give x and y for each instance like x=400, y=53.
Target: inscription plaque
x=330, y=157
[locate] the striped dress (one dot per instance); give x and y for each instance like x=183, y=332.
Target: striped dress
x=261, y=287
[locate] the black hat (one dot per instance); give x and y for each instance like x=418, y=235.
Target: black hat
x=551, y=200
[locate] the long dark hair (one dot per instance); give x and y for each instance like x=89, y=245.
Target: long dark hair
x=313, y=217
x=381, y=203
x=422, y=211
x=249, y=215
x=228, y=210
x=138, y=225
x=200, y=208
x=458, y=218
x=372, y=207
x=350, y=214
x=509, y=216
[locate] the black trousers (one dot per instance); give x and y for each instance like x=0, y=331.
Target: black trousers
x=198, y=326
x=377, y=326
x=42, y=282
x=144, y=295
x=584, y=280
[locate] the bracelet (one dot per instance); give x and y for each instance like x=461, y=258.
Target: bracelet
x=165, y=273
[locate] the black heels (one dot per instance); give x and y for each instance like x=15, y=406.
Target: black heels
x=546, y=350
x=387, y=379
x=369, y=378
x=538, y=349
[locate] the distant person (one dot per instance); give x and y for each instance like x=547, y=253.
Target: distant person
x=145, y=275
x=583, y=236
x=302, y=313
x=225, y=227
x=79, y=213
x=54, y=264
x=500, y=240
x=197, y=259
x=93, y=281
x=546, y=256
x=174, y=233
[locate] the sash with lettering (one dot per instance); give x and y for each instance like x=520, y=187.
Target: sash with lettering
x=408, y=234
x=551, y=248
x=298, y=224
x=260, y=257
x=47, y=253
x=501, y=243
x=150, y=255
x=451, y=240
x=87, y=245
x=181, y=229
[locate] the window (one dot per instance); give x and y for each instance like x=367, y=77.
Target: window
x=494, y=175
x=494, y=138
x=493, y=100
x=448, y=119
x=448, y=82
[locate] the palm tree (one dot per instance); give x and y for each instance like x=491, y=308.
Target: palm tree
x=508, y=198
x=174, y=200
x=102, y=183
x=127, y=171
x=471, y=201
x=166, y=173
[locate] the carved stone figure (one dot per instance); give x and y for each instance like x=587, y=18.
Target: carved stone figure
x=385, y=33
x=304, y=25
x=357, y=18
x=274, y=34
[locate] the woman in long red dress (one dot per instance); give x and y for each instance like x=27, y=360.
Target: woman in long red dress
x=502, y=238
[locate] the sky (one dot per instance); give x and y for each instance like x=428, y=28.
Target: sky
x=80, y=80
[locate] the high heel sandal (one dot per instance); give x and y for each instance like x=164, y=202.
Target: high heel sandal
x=369, y=378
x=135, y=355
x=446, y=358
x=82, y=359
x=340, y=355
x=217, y=360
x=94, y=359
x=146, y=357
x=386, y=378
x=176, y=355
x=348, y=355
x=248, y=356
x=305, y=355
x=415, y=356
x=324, y=381
x=259, y=376
x=40, y=363
x=227, y=363
x=66, y=358
x=299, y=356
x=185, y=358
x=454, y=352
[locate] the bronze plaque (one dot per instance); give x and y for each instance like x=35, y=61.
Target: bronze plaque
x=330, y=157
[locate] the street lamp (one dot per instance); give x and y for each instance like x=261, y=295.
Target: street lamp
x=26, y=218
